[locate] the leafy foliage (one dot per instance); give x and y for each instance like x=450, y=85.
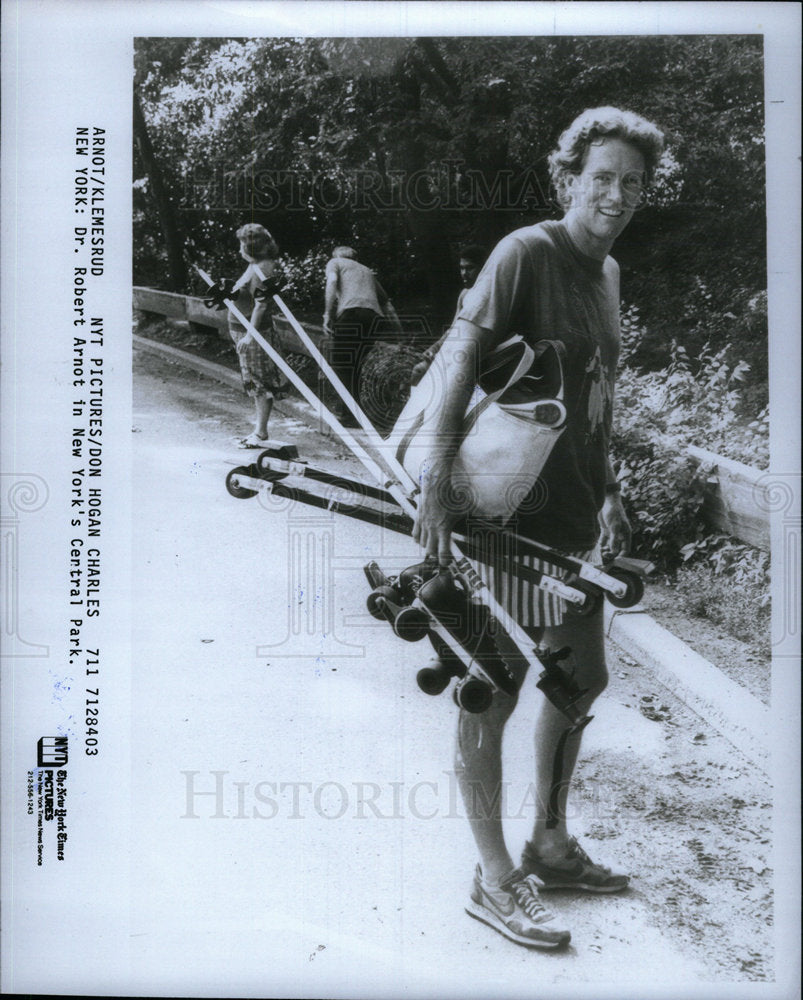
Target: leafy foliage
x=406, y=147
x=302, y=278
x=658, y=415
x=702, y=401
x=728, y=583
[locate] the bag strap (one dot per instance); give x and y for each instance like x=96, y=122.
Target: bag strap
x=541, y=347
x=495, y=361
x=559, y=348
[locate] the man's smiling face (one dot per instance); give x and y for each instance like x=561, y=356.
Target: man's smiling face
x=608, y=190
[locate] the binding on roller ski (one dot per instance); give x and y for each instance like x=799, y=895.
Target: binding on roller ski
x=475, y=639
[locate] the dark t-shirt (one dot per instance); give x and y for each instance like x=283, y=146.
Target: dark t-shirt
x=538, y=284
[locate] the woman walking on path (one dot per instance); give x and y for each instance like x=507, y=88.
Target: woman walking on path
x=262, y=380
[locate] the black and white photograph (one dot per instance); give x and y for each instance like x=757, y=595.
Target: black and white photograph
x=401, y=507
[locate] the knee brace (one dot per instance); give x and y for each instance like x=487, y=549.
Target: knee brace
x=564, y=693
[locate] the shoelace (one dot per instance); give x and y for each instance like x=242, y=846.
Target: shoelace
x=528, y=898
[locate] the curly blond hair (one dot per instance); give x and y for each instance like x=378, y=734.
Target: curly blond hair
x=594, y=125
x=252, y=232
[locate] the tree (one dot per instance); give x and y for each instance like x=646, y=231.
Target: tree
x=177, y=270
x=406, y=147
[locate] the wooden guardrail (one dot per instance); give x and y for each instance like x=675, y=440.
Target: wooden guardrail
x=192, y=310
x=737, y=502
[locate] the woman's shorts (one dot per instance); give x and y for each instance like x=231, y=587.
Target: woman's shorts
x=260, y=375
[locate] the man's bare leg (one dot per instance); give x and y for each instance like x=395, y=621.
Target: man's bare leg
x=478, y=765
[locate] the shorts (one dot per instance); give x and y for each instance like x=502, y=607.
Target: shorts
x=526, y=603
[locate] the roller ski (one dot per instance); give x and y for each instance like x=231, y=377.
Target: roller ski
x=479, y=643
x=279, y=461
x=424, y=601
x=421, y=601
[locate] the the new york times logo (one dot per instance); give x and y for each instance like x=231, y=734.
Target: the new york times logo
x=51, y=751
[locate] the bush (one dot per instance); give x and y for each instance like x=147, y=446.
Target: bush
x=662, y=494
x=303, y=279
x=658, y=415
x=728, y=582
x=701, y=401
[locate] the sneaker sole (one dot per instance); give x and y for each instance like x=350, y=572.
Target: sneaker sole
x=585, y=886
x=480, y=912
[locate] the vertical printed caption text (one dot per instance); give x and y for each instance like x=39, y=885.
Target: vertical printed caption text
x=86, y=423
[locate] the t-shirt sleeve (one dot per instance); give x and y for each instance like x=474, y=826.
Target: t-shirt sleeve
x=497, y=301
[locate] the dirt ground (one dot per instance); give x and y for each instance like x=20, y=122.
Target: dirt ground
x=658, y=792
x=733, y=657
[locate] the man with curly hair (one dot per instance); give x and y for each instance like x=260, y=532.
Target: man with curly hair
x=552, y=281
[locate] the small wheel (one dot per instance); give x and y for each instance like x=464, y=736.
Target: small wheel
x=592, y=602
x=375, y=599
x=232, y=484
x=474, y=695
x=412, y=578
x=411, y=624
x=263, y=467
x=434, y=679
x=634, y=584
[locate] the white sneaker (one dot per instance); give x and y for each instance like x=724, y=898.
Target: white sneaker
x=514, y=909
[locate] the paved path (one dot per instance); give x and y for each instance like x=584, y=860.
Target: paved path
x=332, y=856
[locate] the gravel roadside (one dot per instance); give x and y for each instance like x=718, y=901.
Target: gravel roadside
x=659, y=792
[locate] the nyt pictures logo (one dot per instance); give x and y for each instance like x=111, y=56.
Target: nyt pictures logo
x=51, y=751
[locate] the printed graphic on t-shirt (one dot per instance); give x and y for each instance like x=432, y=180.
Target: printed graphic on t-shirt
x=597, y=385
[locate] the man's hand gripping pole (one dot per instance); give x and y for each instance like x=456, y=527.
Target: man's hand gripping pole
x=520, y=645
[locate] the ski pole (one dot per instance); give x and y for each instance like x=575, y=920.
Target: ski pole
x=342, y=432
x=244, y=486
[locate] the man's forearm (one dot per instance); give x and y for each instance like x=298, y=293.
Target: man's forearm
x=459, y=358
x=611, y=482
x=330, y=300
